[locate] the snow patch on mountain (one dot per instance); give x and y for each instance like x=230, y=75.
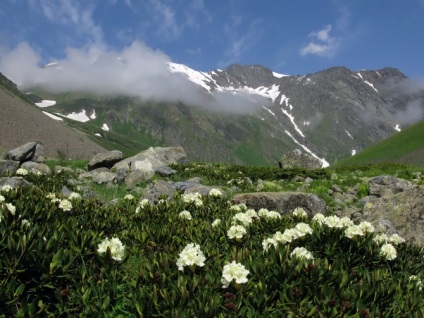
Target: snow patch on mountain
x=291, y=117
x=397, y=127
x=81, y=116
x=370, y=84
x=46, y=103
x=278, y=75
x=348, y=134
x=105, y=127
x=353, y=152
x=52, y=116
x=199, y=78
x=97, y=134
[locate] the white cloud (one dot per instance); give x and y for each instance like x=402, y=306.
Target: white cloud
x=136, y=71
x=322, y=44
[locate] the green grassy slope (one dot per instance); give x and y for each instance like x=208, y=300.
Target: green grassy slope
x=405, y=147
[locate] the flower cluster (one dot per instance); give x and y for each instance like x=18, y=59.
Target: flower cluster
x=388, y=251
x=74, y=196
x=185, y=215
x=191, y=255
x=129, y=197
x=1, y=198
x=301, y=253
x=241, y=207
x=236, y=231
x=395, y=239
x=269, y=214
x=300, y=230
x=234, y=271
x=215, y=193
x=6, y=188
x=195, y=198
x=216, y=222
x=65, y=205
x=418, y=282
x=117, y=249
x=141, y=205
x=300, y=213
x=22, y=172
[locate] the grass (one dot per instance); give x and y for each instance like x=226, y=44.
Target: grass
x=405, y=147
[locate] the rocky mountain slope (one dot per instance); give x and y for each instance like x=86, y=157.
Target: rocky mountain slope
x=20, y=122
x=330, y=114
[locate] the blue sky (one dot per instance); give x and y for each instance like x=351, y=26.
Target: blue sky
x=288, y=36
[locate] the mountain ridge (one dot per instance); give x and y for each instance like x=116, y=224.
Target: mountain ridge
x=331, y=114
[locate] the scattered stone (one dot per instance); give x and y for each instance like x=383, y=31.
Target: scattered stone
x=158, y=189
x=22, y=153
x=15, y=182
x=105, y=159
x=299, y=159
x=283, y=202
x=35, y=167
x=8, y=167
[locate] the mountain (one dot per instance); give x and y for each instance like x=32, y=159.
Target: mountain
x=21, y=122
x=331, y=114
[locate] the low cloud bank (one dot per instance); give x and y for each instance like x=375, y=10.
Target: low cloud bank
x=136, y=71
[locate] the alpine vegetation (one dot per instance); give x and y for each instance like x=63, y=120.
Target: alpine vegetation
x=197, y=254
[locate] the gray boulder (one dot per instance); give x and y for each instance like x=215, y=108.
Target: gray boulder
x=104, y=177
x=36, y=167
x=14, y=182
x=154, y=159
x=105, y=159
x=22, y=153
x=383, y=186
x=8, y=167
x=297, y=158
x=283, y=202
x=157, y=189
x=396, y=205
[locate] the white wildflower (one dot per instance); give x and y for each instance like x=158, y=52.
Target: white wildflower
x=51, y=195
x=319, y=218
x=25, y=223
x=301, y=253
x=251, y=213
x=116, y=247
x=195, y=198
x=129, y=197
x=266, y=243
x=300, y=213
x=185, y=215
x=216, y=222
x=396, y=239
x=74, y=196
x=381, y=238
x=11, y=208
x=215, y=193
x=6, y=188
x=234, y=271
x=191, y=255
x=65, y=205
x=354, y=230
x=236, y=231
x=2, y=198
x=333, y=221
x=242, y=218
x=388, y=251
x=418, y=282
x=302, y=229
x=346, y=221
x=22, y=172
x=367, y=227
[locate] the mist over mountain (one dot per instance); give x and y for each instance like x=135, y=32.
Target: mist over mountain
x=241, y=114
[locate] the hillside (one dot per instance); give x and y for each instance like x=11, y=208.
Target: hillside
x=405, y=147
x=20, y=122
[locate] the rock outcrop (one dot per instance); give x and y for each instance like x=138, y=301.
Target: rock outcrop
x=283, y=202
x=297, y=158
